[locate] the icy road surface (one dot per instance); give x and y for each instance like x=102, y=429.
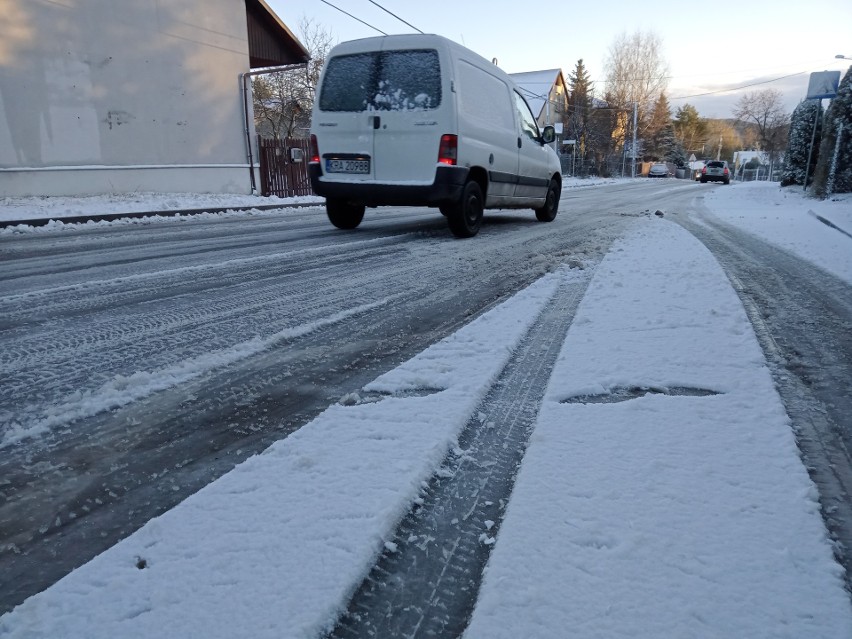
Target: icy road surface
x=38, y=433
x=141, y=361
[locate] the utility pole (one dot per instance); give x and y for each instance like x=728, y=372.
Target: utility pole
x=633, y=150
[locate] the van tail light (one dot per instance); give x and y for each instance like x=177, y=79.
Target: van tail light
x=314, y=149
x=726, y=170
x=704, y=170
x=448, y=152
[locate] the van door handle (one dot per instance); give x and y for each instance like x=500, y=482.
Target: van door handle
x=519, y=142
x=377, y=121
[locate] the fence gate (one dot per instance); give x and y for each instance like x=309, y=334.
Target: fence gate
x=284, y=167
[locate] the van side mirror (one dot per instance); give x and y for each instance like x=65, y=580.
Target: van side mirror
x=548, y=135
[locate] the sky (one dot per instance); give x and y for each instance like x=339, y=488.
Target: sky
x=659, y=515
x=711, y=47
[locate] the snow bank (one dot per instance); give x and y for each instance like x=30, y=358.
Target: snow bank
x=790, y=220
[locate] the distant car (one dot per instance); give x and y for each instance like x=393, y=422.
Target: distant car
x=696, y=172
x=658, y=170
x=716, y=171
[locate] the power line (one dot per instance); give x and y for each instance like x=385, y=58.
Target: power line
x=353, y=17
x=745, y=86
x=395, y=16
x=699, y=95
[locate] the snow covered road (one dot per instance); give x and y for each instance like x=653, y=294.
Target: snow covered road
x=143, y=360
x=662, y=492
x=656, y=515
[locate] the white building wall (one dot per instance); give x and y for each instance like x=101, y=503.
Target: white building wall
x=122, y=95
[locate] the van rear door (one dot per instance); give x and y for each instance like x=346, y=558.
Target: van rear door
x=344, y=127
x=380, y=114
x=409, y=115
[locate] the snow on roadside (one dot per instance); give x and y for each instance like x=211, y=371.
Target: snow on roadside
x=787, y=218
x=275, y=547
x=662, y=515
x=58, y=207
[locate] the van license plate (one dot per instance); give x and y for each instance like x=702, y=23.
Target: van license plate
x=347, y=166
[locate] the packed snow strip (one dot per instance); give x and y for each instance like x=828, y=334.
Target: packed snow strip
x=124, y=389
x=662, y=515
x=788, y=219
x=276, y=547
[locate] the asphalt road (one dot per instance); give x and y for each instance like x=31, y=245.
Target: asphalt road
x=257, y=323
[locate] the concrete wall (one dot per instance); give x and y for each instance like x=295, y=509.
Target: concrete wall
x=122, y=95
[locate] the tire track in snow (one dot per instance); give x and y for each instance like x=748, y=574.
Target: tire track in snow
x=426, y=582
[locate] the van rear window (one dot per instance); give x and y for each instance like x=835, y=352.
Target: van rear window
x=407, y=80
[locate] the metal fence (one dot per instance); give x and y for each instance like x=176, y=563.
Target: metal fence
x=761, y=173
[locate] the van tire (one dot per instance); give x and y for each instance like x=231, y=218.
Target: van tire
x=547, y=213
x=343, y=214
x=465, y=217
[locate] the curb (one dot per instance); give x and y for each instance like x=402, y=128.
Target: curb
x=109, y=217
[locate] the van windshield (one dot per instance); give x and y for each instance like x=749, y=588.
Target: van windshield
x=382, y=81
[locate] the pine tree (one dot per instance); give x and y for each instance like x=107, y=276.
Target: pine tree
x=658, y=129
x=833, y=173
x=579, y=107
x=799, y=143
x=672, y=149
x=691, y=130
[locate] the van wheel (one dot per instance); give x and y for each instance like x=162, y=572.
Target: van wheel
x=547, y=213
x=465, y=218
x=343, y=214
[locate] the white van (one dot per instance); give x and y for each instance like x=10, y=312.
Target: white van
x=418, y=120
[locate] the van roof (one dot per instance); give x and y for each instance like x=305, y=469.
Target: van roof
x=412, y=41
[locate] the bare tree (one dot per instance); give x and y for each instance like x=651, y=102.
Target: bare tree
x=283, y=100
x=764, y=109
x=636, y=71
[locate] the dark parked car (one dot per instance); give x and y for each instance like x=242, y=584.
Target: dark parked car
x=716, y=171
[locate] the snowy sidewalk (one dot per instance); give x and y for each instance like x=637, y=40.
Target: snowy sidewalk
x=646, y=506
x=656, y=516
x=38, y=210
